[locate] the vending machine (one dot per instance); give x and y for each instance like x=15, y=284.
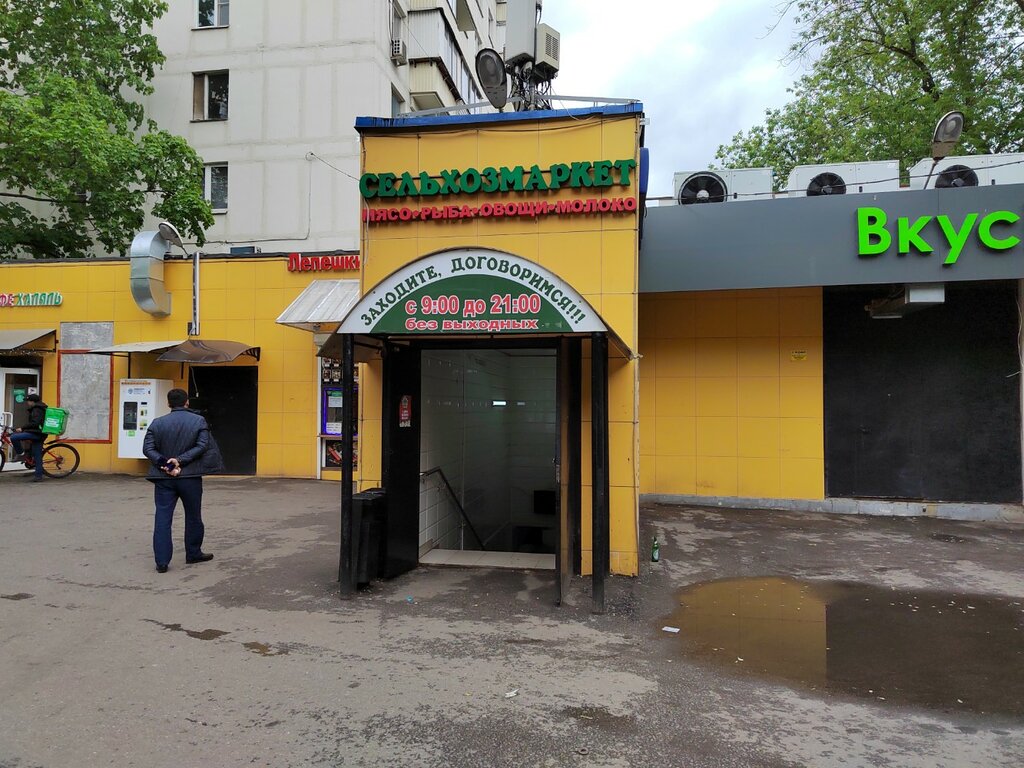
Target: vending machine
x=141, y=401
x=331, y=400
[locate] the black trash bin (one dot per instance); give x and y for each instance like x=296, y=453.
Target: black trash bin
x=369, y=509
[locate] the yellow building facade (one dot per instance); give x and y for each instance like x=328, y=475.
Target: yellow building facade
x=585, y=234
x=504, y=252
x=731, y=394
x=240, y=300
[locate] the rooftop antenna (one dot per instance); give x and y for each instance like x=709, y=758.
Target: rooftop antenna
x=531, y=60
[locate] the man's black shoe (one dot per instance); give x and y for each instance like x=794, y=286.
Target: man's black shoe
x=202, y=557
x=161, y=569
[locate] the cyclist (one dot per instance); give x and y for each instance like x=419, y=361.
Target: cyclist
x=32, y=433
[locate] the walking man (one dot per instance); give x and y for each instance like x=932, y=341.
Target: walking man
x=32, y=433
x=178, y=445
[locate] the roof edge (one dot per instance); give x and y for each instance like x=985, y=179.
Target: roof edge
x=371, y=123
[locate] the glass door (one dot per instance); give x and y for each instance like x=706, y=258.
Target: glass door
x=15, y=385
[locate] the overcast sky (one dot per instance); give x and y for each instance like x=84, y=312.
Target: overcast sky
x=703, y=70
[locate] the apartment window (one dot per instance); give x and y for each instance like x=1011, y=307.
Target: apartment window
x=397, y=103
x=397, y=22
x=211, y=13
x=210, y=96
x=215, y=186
x=462, y=80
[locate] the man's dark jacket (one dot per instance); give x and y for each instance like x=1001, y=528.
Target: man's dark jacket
x=184, y=435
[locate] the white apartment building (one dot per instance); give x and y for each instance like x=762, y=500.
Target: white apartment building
x=267, y=92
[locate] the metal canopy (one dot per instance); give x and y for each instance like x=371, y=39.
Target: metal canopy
x=209, y=351
x=137, y=346
x=195, y=351
x=11, y=341
x=322, y=306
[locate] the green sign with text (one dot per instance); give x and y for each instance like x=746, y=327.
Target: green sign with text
x=469, y=181
x=921, y=235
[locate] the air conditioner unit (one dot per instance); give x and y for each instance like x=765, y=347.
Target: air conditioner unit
x=399, y=54
x=969, y=171
x=844, y=178
x=734, y=184
x=548, y=48
x=906, y=299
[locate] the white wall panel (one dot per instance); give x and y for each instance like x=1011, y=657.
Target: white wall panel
x=316, y=106
x=284, y=214
x=246, y=105
x=283, y=24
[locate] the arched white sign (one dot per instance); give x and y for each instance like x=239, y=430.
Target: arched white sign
x=472, y=290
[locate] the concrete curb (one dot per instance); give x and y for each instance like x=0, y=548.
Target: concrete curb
x=1001, y=513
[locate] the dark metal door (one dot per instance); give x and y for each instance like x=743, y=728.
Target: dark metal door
x=227, y=398
x=401, y=460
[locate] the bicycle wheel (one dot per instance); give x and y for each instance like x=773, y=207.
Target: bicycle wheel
x=60, y=460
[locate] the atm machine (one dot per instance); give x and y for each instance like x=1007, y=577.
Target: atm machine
x=140, y=401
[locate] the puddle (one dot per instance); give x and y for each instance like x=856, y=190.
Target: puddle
x=265, y=650
x=17, y=596
x=937, y=650
x=198, y=634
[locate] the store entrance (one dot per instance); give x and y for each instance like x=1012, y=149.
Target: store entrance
x=488, y=445
x=473, y=446
x=15, y=385
x=227, y=398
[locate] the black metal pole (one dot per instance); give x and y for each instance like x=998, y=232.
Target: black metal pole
x=599, y=459
x=347, y=563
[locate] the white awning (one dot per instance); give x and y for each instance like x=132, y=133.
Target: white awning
x=11, y=341
x=137, y=346
x=322, y=306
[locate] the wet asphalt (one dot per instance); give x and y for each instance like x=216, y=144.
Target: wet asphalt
x=804, y=640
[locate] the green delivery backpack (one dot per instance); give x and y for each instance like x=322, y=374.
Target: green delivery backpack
x=55, y=421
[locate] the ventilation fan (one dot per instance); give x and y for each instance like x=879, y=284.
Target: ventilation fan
x=702, y=188
x=826, y=183
x=956, y=176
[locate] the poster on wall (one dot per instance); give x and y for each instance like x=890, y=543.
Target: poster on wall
x=332, y=454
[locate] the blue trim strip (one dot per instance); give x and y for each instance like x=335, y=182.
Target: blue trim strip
x=496, y=117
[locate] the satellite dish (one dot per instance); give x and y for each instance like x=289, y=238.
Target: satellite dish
x=826, y=183
x=491, y=70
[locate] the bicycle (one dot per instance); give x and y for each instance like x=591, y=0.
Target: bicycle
x=59, y=459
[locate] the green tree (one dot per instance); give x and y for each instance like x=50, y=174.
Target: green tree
x=880, y=75
x=79, y=162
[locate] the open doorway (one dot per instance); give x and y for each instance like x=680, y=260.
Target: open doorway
x=227, y=397
x=15, y=385
x=488, y=490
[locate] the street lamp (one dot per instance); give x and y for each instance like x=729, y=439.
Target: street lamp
x=947, y=134
x=170, y=233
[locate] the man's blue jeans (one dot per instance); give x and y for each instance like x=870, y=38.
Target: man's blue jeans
x=166, y=493
x=17, y=442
